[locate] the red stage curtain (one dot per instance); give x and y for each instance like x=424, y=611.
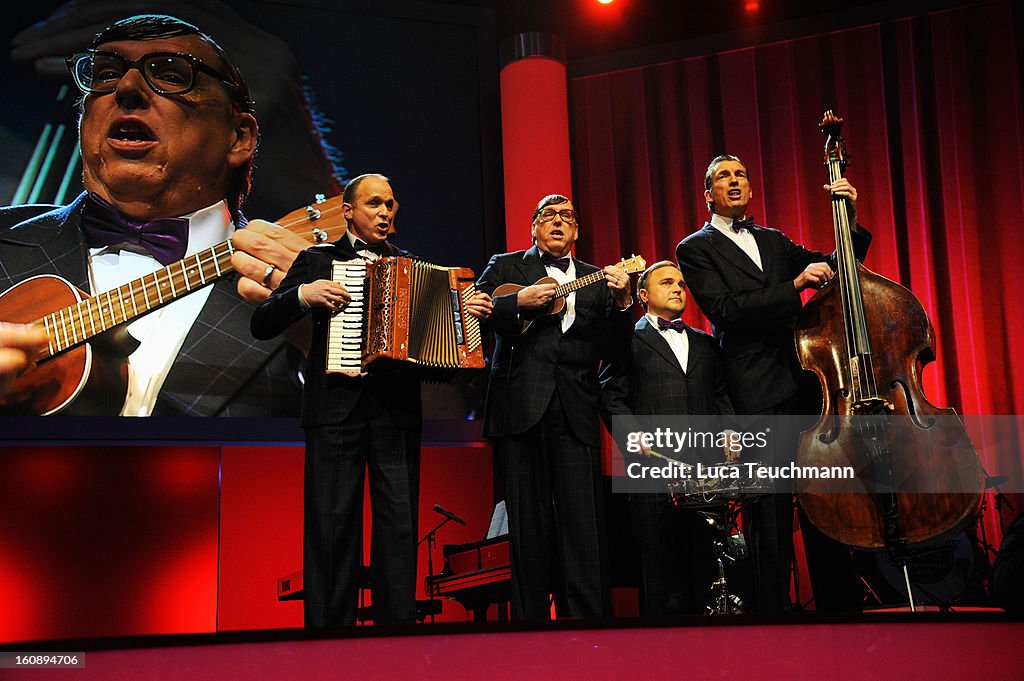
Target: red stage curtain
x=933, y=108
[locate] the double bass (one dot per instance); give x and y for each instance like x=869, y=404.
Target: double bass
x=917, y=474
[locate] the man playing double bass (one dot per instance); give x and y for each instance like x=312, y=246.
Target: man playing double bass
x=747, y=281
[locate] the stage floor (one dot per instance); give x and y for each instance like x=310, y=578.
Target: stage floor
x=961, y=646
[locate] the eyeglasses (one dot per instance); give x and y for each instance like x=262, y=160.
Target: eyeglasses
x=167, y=73
x=548, y=214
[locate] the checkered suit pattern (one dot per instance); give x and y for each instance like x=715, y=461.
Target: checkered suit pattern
x=753, y=313
x=220, y=371
x=352, y=424
x=337, y=455
x=649, y=380
x=674, y=545
x=541, y=414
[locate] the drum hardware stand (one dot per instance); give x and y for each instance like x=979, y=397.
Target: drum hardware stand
x=980, y=538
x=721, y=601
x=998, y=501
x=867, y=587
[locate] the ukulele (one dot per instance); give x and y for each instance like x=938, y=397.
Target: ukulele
x=84, y=369
x=630, y=265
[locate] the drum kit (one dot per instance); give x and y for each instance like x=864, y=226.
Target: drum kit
x=719, y=495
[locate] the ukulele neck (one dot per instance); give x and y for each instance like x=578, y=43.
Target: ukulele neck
x=576, y=284
x=78, y=323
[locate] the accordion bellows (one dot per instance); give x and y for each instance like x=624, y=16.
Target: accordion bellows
x=404, y=310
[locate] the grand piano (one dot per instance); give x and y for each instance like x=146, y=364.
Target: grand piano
x=475, y=575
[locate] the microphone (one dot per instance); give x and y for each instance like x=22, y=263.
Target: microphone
x=449, y=515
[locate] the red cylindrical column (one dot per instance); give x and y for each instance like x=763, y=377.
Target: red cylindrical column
x=534, y=129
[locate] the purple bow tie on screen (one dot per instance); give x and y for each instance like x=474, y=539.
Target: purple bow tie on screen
x=676, y=325
x=551, y=261
x=105, y=225
x=745, y=223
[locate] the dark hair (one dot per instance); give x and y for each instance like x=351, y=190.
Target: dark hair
x=549, y=200
x=157, y=26
x=349, y=195
x=711, y=168
x=641, y=281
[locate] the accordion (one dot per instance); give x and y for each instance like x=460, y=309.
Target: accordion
x=404, y=310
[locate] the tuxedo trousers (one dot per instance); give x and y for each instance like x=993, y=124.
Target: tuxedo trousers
x=554, y=497
x=676, y=549
x=770, y=519
x=337, y=458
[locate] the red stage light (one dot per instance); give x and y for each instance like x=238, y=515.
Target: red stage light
x=605, y=2
x=751, y=6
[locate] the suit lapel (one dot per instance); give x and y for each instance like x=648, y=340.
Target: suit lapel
x=588, y=294
x=58, y=236
x=71, y=251
x=341, y=249
x=646, y=332
x=695, y=352
x=765, y=246
x=735, y=255
x=229, y=363
x=530, y=267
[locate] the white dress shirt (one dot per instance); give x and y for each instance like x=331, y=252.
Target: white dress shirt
x=678, y=341
x=570, y=300
x=744, y=238
x=162, y=332
x=361, y=250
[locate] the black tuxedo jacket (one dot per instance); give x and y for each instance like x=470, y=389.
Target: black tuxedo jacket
x=753, y=312
x=220, y=371
x=330, y=398
x=527, y=366
x=649, y=380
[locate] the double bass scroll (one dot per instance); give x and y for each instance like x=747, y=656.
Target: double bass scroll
x=867, y=339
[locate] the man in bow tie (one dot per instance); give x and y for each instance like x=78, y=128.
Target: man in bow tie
x=354, y=424
x=168, y=138
x=747, y=281
x=541, y=414
x=671, y=370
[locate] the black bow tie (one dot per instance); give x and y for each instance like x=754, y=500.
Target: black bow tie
x=745, y=223
x=379, y=249
x=676, y=325
x=551, y=261
x=105, y=225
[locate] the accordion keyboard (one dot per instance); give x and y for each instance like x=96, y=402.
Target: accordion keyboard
x=346, y=334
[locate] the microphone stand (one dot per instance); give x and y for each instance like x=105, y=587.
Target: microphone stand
x=430, y=538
